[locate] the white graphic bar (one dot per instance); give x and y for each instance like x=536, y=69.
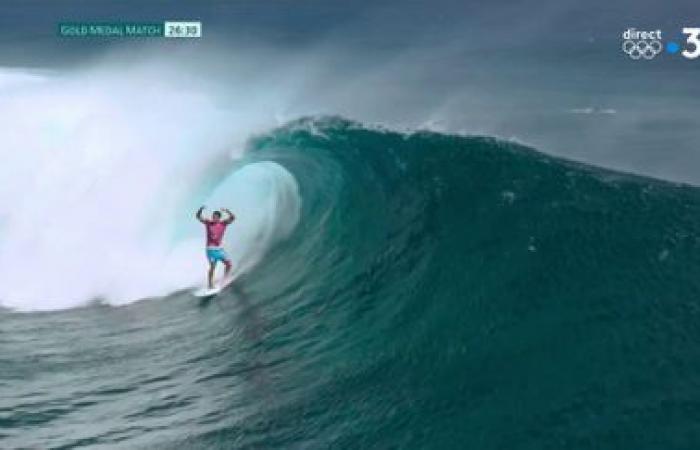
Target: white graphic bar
x=187, y=29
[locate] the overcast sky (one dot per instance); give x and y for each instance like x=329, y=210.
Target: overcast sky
x=547, y=72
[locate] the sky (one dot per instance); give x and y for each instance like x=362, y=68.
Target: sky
x=548, y=73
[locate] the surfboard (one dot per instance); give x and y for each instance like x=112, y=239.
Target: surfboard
x=206, y=292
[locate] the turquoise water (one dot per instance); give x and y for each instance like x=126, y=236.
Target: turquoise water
x=439, y=292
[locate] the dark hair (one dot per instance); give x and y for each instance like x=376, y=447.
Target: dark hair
x=217, y=213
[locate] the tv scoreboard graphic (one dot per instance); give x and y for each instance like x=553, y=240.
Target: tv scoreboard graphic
x=165, y=29
x=647, y=45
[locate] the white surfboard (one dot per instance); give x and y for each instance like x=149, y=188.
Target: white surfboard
x=220, y=286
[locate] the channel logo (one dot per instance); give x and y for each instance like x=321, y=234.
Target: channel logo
x=642, y=44
x=638, y=44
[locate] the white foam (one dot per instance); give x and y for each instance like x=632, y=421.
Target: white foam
x=96, y=170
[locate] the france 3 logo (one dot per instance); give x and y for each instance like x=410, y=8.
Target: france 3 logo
x=641, y=45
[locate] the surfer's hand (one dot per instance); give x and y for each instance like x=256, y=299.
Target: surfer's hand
x=231, y=217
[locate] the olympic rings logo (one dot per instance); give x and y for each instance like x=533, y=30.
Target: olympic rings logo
x=642, y=49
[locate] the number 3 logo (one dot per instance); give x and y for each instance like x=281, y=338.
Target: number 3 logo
x=694, y=40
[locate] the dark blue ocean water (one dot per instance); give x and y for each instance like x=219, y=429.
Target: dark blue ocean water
x=439, y=292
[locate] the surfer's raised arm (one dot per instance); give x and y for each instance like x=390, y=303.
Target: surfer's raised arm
x=231, y=217
x=199, y=215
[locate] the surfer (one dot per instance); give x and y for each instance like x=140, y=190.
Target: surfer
x=215, y=234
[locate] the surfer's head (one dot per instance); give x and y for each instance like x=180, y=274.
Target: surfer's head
x=216, y=216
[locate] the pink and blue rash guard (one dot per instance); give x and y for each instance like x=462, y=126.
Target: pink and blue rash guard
x=215, y=232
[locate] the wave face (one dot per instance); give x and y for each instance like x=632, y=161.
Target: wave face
x=438, y=292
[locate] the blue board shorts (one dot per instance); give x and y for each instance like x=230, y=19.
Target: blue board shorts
x=216, y=254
